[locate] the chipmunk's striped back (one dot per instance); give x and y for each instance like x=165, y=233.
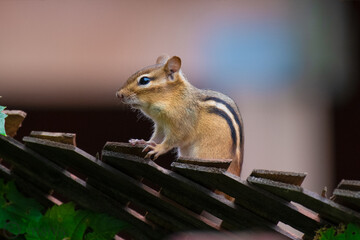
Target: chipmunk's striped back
x=225, y=107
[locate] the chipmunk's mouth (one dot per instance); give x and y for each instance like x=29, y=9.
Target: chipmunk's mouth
x=135, y=105
x=132, y=102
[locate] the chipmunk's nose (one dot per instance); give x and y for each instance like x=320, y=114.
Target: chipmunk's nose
x=120, y=95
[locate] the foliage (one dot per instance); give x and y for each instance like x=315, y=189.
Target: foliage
x=16, y=211
x=2, y=121
x=64, y=222
x=103, y=227
x=341, y=232
x=20, y=215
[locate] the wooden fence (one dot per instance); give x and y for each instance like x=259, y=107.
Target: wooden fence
x=158, y=201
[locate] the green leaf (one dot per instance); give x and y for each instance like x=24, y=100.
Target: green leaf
x=2, y=121
x=352, y=232
x=64, y=222
x=16, y=211
x=328, y=234
x=104, y=227
x=21, y=215
x=59, y=222
x=341, y=232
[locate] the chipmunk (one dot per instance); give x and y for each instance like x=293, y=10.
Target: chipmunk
x=199, y=123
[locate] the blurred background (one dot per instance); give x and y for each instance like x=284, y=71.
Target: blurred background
x=291, y=66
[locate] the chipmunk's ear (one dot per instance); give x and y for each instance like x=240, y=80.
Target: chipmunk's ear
x=173, y=65
x=162, y=59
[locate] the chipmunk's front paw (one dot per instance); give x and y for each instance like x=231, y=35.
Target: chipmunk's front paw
x=154, y=150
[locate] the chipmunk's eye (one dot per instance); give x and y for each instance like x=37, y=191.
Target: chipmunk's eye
x=144, y=80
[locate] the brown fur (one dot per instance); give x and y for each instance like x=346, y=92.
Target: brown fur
x=181, y=116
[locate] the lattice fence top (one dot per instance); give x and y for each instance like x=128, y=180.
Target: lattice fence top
x=158, y=201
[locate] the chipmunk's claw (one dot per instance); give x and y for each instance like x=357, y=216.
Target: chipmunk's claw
x=152, y=155
x=149, y=146
x=154, y=150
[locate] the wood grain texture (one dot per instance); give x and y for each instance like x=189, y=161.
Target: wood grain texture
x=235, y=216
x=13, y=121
x=66, y=138
x=280, y=176
x=256, y=200
x=40, y=171
x=118, y=185
x=327, y=209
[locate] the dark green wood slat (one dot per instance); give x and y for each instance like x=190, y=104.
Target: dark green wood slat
x=126, y=148
x=216, y=163
x=108, y=191
x=171, y=225
x=25, y=187
x=5, y=173
x=326, y=208
x=280, y=176
x=183, y=200
x=67, y=155
x=94, y=200
x=348, y=194
x=67, y=138
x=239, y=217
x=352, y=185
x=256, y=200
x=163, y=222
x=348, y=198
x=137, y=150
x=40, y=170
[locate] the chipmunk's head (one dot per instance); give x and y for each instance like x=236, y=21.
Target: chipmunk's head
x=153, y=84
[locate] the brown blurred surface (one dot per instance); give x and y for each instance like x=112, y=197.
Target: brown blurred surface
x=62, y=61
x=93, y=128
x=346, y=112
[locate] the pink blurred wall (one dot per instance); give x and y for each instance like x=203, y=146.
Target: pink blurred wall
x=78, y=53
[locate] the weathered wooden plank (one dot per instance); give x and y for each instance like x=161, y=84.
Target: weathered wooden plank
x=348, y=198
x=326, y=208
x=182, y=200
x=161, y=221
x=17, y=172
x=164, y=223
x=137, y=150
x=164, y=160
x=25, y=187
x=111, y=192
x=256, y=200
x=216, y=163
x=119, y=196
x=13, y=121
x=352, y=185
x=270, y=183
x=238, y=217
x=66, y=138
x=82, y=195
x=39, y=171
x=125, y=148
x=5, y=173
x=280, y=176
x=121, y=184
